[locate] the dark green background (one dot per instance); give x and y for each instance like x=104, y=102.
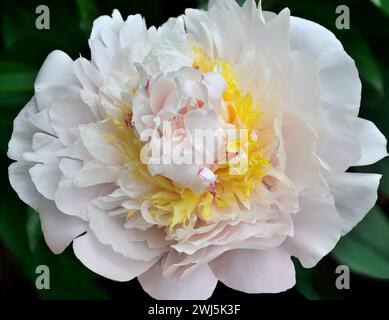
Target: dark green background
x=23, y=49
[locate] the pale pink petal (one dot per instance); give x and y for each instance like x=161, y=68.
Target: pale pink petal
x=55, y=76
x=97, y=140
x=340, y=84
x=21, y=182
x=197, y=286
x=161, y=89
x=255, y=271
x=131, y=30
x=317, y=229
x=46, y=178
x=23, y=131
x=111, y=231
x=355, y=194
x=59, y=229
x=102, y=260
x=67, y=113
x=67, y=196
x=340, y=137
x=373, y=142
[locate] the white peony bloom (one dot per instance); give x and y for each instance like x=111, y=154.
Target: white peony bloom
x=82, y=148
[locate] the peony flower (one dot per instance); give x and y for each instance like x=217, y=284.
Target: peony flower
x=102, y=150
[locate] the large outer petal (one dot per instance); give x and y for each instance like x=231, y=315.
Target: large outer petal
x=227, y=30
x=255, y=271
x=318, y=228
x=58, y=228
x=340, y=95
x=340, y=84
x=355, y=194
x=54, y=77
x=23, y=131
x=21, y=182
x=197, y=286
x=373, y=142
x=104, y=261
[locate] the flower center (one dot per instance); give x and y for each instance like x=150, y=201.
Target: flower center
x=236, y=179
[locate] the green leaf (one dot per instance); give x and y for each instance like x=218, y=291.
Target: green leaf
x=69, y=278
x=203, y=4
x=365, y=249
x=13, y=24
x=20, y=233
x=12, y=66
x=13, y=232
x=16, y=82
x=313, y=284
x=88, y=12
x=383, y=5
x=16, y=77
x=365, y=60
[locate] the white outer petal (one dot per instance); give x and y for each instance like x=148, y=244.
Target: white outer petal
x=255, y=271
x=102, y=260
x=20, y=180
x=55, y=76
x=23, y=131
x=58, y=228
x=318, y=228
x=197, y=286
x=355, y=194
x=340, y=84
x=102, y=23
x=373, y=142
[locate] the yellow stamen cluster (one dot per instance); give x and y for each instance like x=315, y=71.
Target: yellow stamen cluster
x=235, y=186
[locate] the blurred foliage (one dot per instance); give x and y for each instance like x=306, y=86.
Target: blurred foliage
x=23, y=49
x=365, y=249
x=315, y=284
